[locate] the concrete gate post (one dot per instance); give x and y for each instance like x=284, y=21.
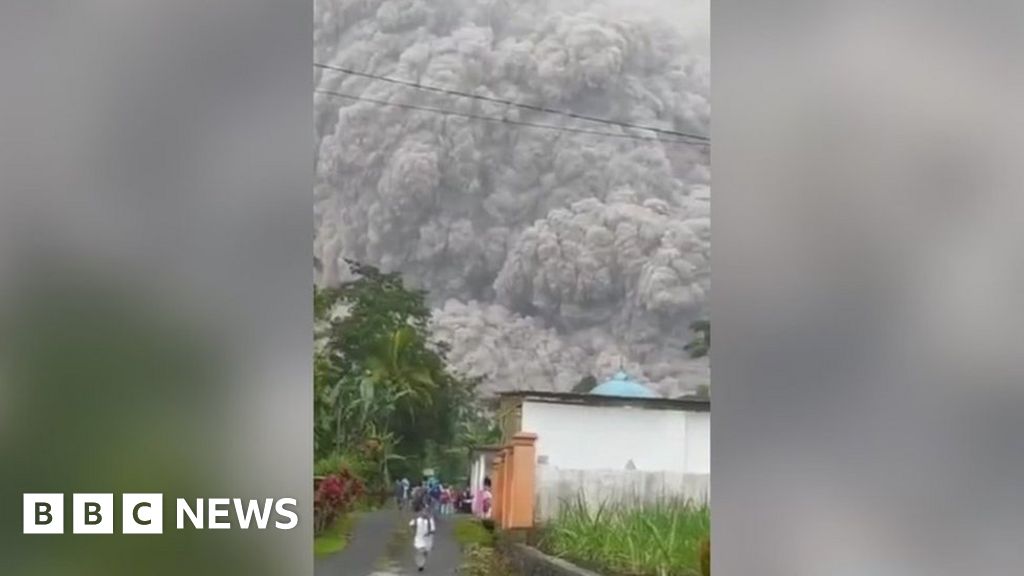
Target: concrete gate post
x=522, y=485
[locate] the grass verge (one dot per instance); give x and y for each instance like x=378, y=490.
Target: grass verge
x=335, y=538
x=634, y=539
x=470, y=531
x=480, y=560
x=479, y=557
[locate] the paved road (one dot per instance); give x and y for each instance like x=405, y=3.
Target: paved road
x=444, y=559
x=381, y=545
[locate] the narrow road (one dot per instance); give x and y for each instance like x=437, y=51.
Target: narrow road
x=381, y=545
x=444, y=559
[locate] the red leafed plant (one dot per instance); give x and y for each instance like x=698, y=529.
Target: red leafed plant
x=335, y=496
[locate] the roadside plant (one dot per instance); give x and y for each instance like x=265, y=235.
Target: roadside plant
x=335, y=496
x=633, y=538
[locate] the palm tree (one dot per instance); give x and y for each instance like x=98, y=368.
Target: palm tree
x=392, y=375
x=393, y=367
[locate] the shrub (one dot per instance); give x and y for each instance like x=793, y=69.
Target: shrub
x=335, y=463
x=335, y=496
x=330, y=465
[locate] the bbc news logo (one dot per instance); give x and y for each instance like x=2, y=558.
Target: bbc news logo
x=144, y=513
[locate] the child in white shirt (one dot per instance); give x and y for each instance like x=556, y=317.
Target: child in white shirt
x=423, y=540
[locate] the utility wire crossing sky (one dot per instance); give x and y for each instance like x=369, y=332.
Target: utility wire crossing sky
x=504, y=120
x=544, y=109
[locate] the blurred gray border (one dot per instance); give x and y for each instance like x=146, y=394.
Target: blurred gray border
x=867, y=288
x=155, y=280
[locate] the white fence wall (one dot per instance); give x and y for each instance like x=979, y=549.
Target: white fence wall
x=698, y=443
x=555, y=485
x=587, y=437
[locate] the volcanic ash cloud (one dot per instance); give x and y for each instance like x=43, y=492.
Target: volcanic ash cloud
x=595, y=246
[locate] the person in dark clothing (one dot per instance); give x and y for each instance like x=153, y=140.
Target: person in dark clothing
x=399, y=494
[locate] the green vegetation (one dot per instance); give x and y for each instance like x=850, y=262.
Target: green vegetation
x=705, y=556
x=484, y=561
x=335, y=497
x=479, y=557
x=471, y=532
x=630, y=539
x=387, y=404
x=335, y=538
x=335, y=463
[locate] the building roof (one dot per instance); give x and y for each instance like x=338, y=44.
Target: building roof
x=688, y=403
x=622, y=385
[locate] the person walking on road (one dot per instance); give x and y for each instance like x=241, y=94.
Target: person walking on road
x=446, y=500
x=435, y=498
x=423, y=538
x=399, y=494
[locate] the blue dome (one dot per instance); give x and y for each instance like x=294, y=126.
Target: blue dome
x=621, y=385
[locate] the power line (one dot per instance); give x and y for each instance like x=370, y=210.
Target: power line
x=532, y=107
x=505, y=121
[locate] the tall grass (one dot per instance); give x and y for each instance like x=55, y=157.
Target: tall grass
x=629, y=538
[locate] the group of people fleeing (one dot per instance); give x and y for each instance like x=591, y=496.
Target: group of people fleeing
x=430, y=499
x=439, y=499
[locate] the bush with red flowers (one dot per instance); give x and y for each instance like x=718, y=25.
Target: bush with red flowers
x=335, y=496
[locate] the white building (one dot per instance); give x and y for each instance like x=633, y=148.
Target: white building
x=620, y=440
x=481, y=462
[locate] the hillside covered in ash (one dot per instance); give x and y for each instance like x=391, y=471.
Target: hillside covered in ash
x=549, y=254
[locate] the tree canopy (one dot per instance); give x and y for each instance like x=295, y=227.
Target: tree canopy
x=384, y=390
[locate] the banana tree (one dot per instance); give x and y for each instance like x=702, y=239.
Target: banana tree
x=391, y=377
x=379, y=447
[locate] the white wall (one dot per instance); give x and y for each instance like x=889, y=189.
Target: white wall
x=480, y=469
x=588, y=437
x=475, y=469
x=698, y=442
x=556, y=486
